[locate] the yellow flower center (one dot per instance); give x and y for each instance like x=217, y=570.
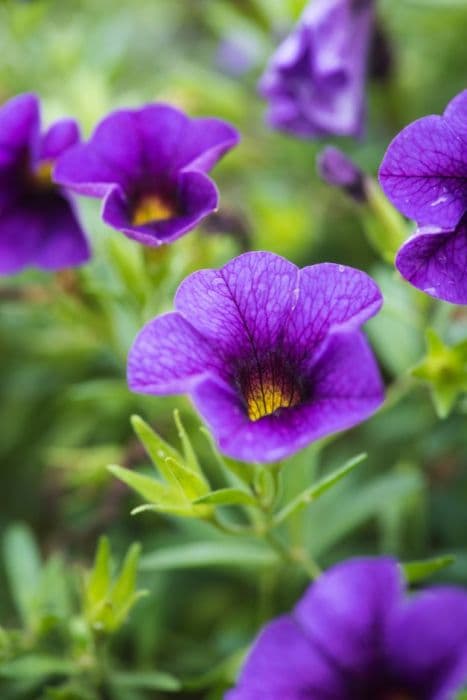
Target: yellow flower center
x=42, y=175
x=268, y=390
x=152, y=208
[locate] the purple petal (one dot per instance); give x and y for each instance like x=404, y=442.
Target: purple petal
x=346, y=389
x=205, y=141
x=424, y=171
x=196, y=194
x=168, y=357
x=58, y=138
x=243, y=307
x=19, y=128
x=331, y=298
x=427, y=643
x=346, y=611
x=45, y=234
x=112, y=156
x=456, y=114
x=284, y=665
x=435, y=261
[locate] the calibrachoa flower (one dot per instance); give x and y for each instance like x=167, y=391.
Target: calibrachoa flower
x=315, y=82
x=354, y=636
x=271, y=355
x=150, y=167
x=38, y=223
x=424, y=173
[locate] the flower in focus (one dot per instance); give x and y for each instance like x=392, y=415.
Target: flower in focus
x=315, y=81
x=271, y=355
x=38, y=223
x=354, y=636
x=150, y=167
x=339, y=171
x=435, y=261
x=424, y=174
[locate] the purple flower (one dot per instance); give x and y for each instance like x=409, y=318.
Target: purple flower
x=354, y=636
x=315, y=81
x=435, y=261
x=271, y=355
x=38, y=223
x=339, y=171
x=424, y=173
x=150, y=167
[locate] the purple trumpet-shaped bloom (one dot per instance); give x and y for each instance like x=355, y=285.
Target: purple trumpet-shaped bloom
x=424, y=174
x=150, y=167
x=38, y=222
x=338, y=170
x=355, y=636
x=271, y=355
x=315, y=81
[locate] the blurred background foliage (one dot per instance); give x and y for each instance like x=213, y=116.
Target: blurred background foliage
x=64, y=404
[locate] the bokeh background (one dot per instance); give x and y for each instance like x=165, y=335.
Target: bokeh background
x=64, y=404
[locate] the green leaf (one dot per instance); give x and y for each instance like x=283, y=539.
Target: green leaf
x=23, y=569
x=228, y=497
x=158, y=449
x=189, y=454
x=123, y=594
x=149, y=488
x=192, y=485
x=36, y=665
x=146, y=680
x=415, y=571
x=317, y=490
x=222, y=553
x=99, y=581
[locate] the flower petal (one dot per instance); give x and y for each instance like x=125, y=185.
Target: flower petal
x=456, y=113
x=284, y=665
x=331, y=298
x=63, y=243
x=168, y=357
x=438, y=666
x=58, y=138
x=424, y=171
x=197, y=197
x=346, y=611
x=435, y=261
x=19, y=127
x=205, y=141
x=244, y=306
x=347, y=389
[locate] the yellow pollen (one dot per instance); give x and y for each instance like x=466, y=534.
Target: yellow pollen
x=266, y=393
x=43, y=174
x=152, y=208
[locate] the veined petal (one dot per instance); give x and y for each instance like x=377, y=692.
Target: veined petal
x=169, y=356
x=435, y=261
x=456, y=113
x=244, y=306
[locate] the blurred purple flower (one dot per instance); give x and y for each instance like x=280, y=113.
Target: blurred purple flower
x=150, y=167
x=424, y=170
x=424, y=174
x=315, y=81
x=353, y=636
x=271, y=355
x=38, y=222
x=237, y=54
x=339, y=171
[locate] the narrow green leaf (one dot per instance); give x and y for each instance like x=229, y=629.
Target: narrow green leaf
x=158, y=449
x=317, y=490
x=23, y=569
x=415, y=571
x=99, y=580
x=149, y=488
x=125, y=585
x=241, y=470
x=191, y=459
x=146, y=680
x=222, y=553
x=191, y=484
x=228, y=497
